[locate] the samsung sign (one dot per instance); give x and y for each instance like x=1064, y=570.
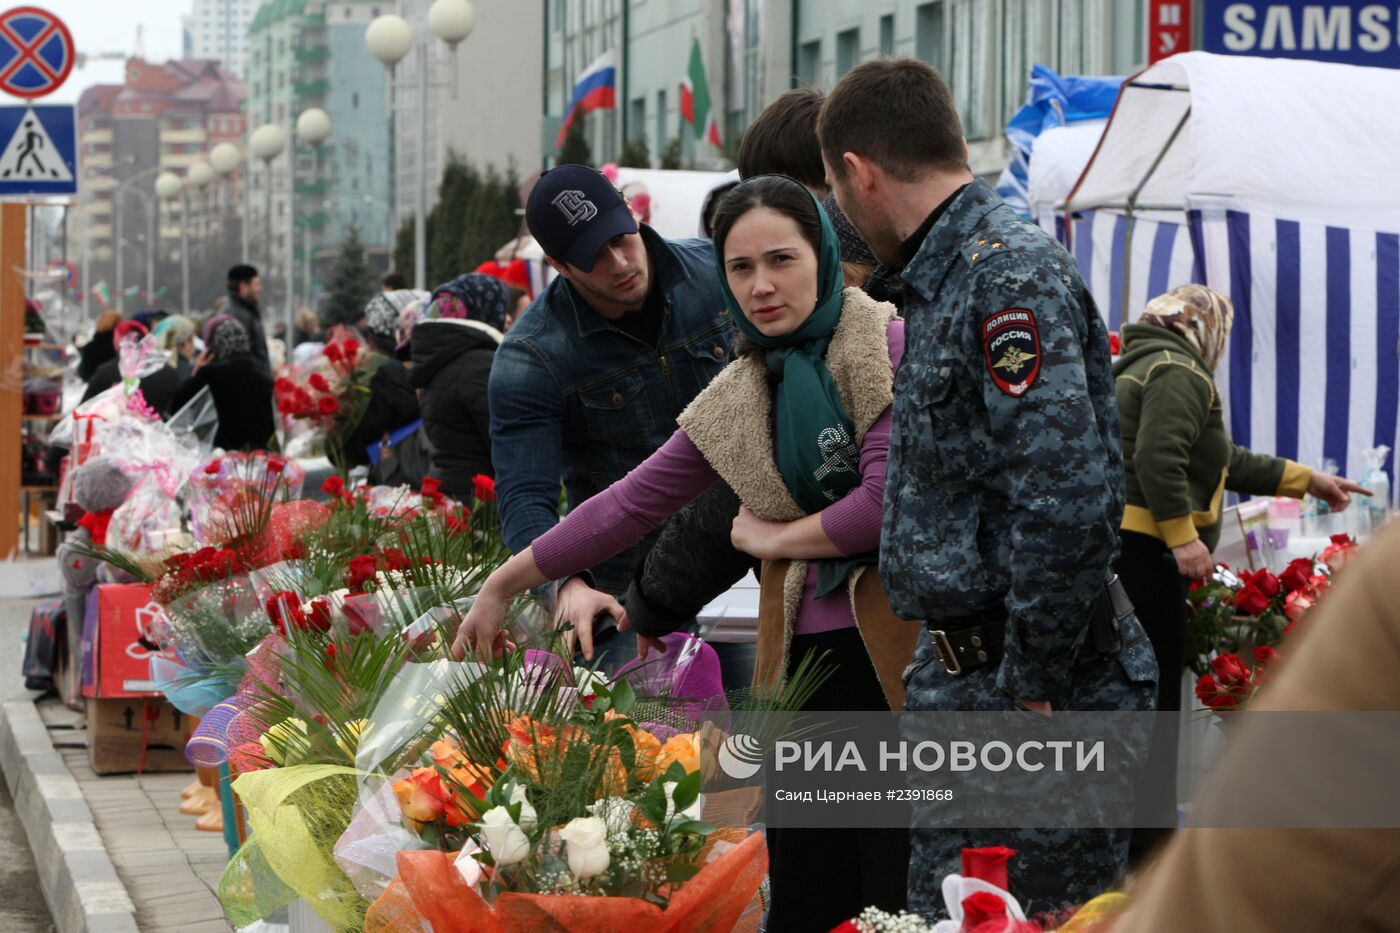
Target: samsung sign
x=1355, y=33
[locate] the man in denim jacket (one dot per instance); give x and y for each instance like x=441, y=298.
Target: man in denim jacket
x=591, y=378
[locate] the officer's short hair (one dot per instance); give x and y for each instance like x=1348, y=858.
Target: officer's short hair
x=898, y=113
x=783, y=140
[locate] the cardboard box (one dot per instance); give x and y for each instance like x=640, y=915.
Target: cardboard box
x=121, y=646
x=138, y=734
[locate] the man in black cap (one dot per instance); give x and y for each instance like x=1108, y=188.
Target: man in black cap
x=592, y=376
x=244, y=290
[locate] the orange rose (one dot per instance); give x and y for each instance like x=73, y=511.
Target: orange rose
x=447, y=754
x=465, y=793
x=421, y=797
x=648, y=747
x=683, y=748
x=465, y=785
x=614, y=780
x=644, y=743
x=537, y=750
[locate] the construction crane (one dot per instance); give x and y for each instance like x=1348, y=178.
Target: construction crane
x=82, y=58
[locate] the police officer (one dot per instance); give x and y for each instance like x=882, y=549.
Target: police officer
x=1005, y=482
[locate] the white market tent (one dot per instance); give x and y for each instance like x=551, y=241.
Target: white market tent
x=1275, y=182
x=677, y=197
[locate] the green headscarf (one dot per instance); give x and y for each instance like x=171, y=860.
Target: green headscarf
x=814, y=439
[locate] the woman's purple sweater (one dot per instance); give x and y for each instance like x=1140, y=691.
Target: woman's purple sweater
x=661, y=485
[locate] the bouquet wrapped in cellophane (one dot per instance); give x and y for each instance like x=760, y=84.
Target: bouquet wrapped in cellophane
x=532, y=794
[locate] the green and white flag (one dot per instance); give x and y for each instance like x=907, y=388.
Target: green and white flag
x=695, y=100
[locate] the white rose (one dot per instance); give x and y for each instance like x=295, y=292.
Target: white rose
x=587, y=838
x=691, y=812
x=588, y=681
x=528, y=818
x=506, y=841
x=616, y=812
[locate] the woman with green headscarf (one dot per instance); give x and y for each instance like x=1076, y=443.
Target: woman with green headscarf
x=799, y=427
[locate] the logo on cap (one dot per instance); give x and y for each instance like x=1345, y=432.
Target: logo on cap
x=574, y=206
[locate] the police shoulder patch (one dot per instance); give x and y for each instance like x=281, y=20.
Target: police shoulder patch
x=1011, y=345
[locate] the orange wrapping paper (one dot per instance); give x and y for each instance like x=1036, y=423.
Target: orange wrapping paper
x=430, y=889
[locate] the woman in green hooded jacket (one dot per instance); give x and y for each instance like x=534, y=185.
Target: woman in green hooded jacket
x=1178, y=462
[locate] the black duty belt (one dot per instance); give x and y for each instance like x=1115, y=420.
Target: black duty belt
x=968, y=647
x=970, y=642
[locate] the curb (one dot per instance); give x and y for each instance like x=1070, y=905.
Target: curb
x=80, y=883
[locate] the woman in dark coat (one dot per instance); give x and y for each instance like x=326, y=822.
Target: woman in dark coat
x=453, y=346
x=392, y=403
x=241, y=388
x=101, y=348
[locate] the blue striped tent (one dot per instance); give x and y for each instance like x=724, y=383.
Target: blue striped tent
x=1305, y=239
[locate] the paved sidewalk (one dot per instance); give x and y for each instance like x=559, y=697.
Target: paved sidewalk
x=170, y=870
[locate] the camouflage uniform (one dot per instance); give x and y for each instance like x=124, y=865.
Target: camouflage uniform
x=1005, y=489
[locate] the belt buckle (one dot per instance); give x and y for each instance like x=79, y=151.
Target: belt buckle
x=946, y=654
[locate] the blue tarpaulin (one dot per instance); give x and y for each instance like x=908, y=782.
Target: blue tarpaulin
x=1054, y=100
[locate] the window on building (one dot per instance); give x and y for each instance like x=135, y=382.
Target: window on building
x=637, y=119
x=661, y=139
x=887, y=35
x=969, y=72
x=847, y=51
x=556, y=15
x=809, y=62
x=355, y=101
x=1129, y=36
x=1041, y=33
x=928, y=33
x=1016, y=67
x=1071, y=36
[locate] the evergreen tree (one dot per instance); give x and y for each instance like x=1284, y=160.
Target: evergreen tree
x=351, y=283
x=575, y=150
x=403, y=245
x=635, y=154
x=671, y=155
x=492, y=220
x=448, y=219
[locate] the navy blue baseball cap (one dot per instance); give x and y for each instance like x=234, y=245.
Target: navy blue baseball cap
x=573, y=212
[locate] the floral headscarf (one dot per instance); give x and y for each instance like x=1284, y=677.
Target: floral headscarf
x=1198, y=315
x=382, y=312
x=227, y=338
x=474, y=296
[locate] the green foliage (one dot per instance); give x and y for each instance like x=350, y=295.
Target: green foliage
x=403, y=245
x=671, y=155
x=575, y=150
x=635, y=154
x=351, y=283
x=475, y=215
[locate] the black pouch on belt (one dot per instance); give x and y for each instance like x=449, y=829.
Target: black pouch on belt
x=1110, y=610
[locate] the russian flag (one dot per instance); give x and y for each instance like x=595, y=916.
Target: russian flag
x=595, y=89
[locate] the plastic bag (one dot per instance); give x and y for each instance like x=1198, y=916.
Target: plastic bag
x=199, y=417
x=1376, y=508
x=147, y=521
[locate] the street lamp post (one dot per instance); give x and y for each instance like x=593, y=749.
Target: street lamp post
x=389, y=39
x=226, y=158
x=314, y=127
x=267, y=143
x=201, y=173
x=168, y=187
x=122, y=188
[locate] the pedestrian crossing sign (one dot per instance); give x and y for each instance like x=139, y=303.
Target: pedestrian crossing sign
x=39, y=154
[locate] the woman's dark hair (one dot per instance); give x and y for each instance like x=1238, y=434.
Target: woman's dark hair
x=777, y=192
x=781, y=194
